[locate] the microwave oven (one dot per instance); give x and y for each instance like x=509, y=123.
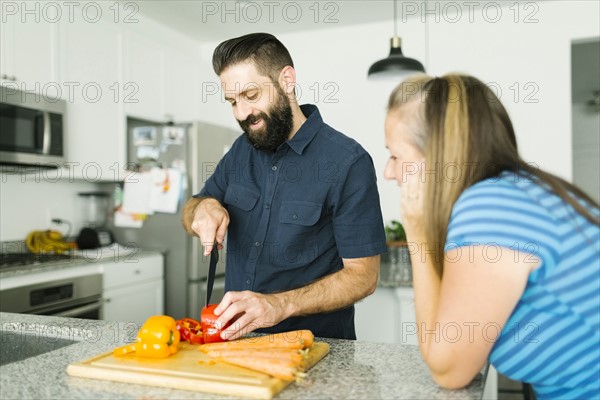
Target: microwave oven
x=32, y=129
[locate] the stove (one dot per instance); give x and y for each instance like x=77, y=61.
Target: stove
x=18, y=260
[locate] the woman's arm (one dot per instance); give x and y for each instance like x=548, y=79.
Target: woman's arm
x=460, y=316
x=461, y=311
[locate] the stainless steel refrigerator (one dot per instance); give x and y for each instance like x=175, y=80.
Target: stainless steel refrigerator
x=197, y=151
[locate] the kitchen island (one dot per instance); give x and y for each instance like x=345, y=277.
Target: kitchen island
x=352, y=369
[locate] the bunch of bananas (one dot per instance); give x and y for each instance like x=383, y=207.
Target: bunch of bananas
x=48, y=241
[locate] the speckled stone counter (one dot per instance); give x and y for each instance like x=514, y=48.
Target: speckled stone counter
x=394, y=275
x=352, y=370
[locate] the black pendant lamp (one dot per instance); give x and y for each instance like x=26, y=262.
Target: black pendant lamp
x=396, y=64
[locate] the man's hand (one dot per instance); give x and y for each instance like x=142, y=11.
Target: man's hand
x=249, y=311
x=207, y=219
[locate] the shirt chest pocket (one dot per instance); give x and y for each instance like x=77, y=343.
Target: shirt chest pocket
x=241, y=197
x=304, y=213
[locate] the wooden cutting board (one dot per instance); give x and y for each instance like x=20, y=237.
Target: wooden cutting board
x=189, y=369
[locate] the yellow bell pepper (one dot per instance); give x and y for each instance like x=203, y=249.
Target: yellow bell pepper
x=158, y=338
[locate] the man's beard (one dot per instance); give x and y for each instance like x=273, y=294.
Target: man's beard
x=277, y=125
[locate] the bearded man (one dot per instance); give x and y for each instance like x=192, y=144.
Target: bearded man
x=297, y=199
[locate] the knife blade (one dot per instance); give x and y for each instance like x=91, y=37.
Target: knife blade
x=212, y=267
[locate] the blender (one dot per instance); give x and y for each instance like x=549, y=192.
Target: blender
x=94, y=207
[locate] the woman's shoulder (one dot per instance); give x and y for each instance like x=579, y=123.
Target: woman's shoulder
x=505, y=187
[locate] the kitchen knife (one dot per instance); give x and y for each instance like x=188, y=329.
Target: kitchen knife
x=212, y=267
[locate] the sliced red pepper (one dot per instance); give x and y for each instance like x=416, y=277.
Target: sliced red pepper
x=210, y=331
x=190, y=330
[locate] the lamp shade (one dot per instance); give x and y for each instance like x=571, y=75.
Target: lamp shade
x=396, y=64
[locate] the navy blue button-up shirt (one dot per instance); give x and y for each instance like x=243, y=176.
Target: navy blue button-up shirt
x=296, y=213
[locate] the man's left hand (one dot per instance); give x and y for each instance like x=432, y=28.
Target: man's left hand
x=248, y=311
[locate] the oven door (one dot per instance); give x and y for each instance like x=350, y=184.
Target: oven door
x=71, y=292
x=87, y=309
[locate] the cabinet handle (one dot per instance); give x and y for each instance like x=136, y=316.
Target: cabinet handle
x=137, y=272
x=9, y=78
x=107, y=300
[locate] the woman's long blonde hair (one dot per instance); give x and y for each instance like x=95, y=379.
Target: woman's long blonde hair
x=462, y=128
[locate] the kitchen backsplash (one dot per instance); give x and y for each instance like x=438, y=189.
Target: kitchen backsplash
x=30, y=201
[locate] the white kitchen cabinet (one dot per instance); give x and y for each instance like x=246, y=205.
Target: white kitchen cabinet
x=143, y=62
x=162, y=80
x=181, y=86
x=387, y=316
x=29, y=53
x=133, y=288
x=95, y=120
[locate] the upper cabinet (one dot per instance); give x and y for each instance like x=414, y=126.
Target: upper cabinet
x=161, y=80
x=181, y=86
x=28, y=54
x=143, y=67
x=95, y=120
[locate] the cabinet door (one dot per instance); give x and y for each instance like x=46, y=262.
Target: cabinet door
x=407, y=320
x=132, y=270
x=144, y=71
x=377, y=317
x=29, y=53
x=134, y=303
x=95, y=117
x=181, y=86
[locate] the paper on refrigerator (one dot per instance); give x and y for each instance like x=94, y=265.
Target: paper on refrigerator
x=156, y=190
x=165, y=191
x=136, y=194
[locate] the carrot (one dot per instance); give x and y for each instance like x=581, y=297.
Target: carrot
x=291, y=355
x=301, y=339
x=281, y=369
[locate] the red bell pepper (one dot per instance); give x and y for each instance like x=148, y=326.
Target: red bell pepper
x=210, y=331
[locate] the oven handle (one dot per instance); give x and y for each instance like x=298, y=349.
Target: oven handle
x=79, y=310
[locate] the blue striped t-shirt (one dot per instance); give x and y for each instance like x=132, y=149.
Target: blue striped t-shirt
x=552, y=338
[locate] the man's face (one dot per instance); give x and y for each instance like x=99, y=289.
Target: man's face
x=260, y=106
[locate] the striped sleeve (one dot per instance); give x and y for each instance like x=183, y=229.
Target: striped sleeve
x=496, y=215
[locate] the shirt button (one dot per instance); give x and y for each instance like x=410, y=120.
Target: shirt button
x=274, y=167
x=257, y=244
x=248, y=281
x=295, y=216
x=267, y=206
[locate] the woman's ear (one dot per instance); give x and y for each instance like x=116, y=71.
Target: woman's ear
x=287, y=80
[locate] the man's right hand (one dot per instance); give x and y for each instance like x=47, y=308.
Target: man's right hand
x=207, y=219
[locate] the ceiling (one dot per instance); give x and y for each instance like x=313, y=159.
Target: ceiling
x=214, y=20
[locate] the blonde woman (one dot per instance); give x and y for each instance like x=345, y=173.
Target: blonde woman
x=508, y=260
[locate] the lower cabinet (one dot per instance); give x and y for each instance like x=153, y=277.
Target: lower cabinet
x=134, y=289
x=387, y=316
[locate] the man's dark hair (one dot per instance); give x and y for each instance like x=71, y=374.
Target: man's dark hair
x=267, y=53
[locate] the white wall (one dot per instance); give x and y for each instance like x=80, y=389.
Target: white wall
x=29, y=201
x=525, y=56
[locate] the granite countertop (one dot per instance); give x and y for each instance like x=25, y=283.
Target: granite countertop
x=394, y=275
x=352, y=369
